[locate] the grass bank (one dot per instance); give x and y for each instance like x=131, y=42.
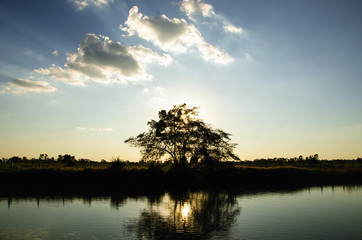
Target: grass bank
x=128, y=179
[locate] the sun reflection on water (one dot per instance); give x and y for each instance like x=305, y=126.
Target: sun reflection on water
x=185, y=210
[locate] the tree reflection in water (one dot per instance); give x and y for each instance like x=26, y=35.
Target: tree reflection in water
x=193, y=215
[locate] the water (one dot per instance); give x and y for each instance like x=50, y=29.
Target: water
x=316, y=213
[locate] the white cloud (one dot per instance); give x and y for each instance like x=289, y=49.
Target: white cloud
x=157, y=99
x=192, y=7
x=232, y=29
x=158, y=89
x=166, y=33
x=81, y=4
x=248, y=57
x=195, y=8
x=94, y=129
x=30, y=53
x=59, y=73
x=172, y=35
x=55, y=52
x=156, y=93
x=101, y=60
x=20, y=85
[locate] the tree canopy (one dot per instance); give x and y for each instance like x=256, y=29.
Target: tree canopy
x=184, y=138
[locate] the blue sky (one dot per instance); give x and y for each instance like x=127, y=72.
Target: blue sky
x=81, y=76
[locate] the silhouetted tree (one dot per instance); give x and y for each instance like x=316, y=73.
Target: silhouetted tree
x=312, y=159
x=67, y=160
x=117, y=163
x=15, y=159
x=60, y=158
x=184, y=137
x=359, y=160
x=43, y=157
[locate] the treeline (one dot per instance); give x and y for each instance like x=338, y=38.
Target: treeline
x=47, y=176
x=44, y=160
x=67, y=160
x=310, y=161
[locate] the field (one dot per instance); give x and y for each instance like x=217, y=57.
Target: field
x=116, y=177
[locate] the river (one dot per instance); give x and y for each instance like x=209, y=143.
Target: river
x=308, y=213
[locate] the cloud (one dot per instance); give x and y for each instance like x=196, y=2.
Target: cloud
x=192, y=7
x=155, y=93
x=232, y=29
x=157, y=99
x=30, y=53
x=81, y=4
x=195, y=8
x=95, y=129
x=101, y=60
x=55, y=52
x=59, y=73
x=24, y=85
x=172, y=35
x=248, y=57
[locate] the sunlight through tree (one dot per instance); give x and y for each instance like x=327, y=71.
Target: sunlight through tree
x=183, y=137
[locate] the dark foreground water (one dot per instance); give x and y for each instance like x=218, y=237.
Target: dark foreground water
x=315, y=213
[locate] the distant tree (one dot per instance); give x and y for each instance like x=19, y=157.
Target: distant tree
x=15, y=159
x=84, y=160
x=60, y=158
x=43, y=157
x=66, y=159
x=117, y=163
x=359, y=160
x=312, y=159
x=184, y=138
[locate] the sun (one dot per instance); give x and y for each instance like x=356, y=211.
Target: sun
x=184, y=118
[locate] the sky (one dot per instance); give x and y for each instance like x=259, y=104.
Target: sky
x=80, y=76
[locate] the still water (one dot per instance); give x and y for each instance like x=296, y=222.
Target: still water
x=315, y=213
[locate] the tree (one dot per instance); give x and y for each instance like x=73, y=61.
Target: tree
x=359, y=160
x=67, y=160
x=182, y=136
x=43, y=157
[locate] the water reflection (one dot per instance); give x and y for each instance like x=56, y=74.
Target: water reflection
x=333, y=212
x=193, y=215
x=57, y=201
x=185, y=210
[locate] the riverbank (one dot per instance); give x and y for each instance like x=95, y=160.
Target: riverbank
x=119, y=180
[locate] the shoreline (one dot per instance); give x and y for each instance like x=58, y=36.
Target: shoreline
x=118, y=181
